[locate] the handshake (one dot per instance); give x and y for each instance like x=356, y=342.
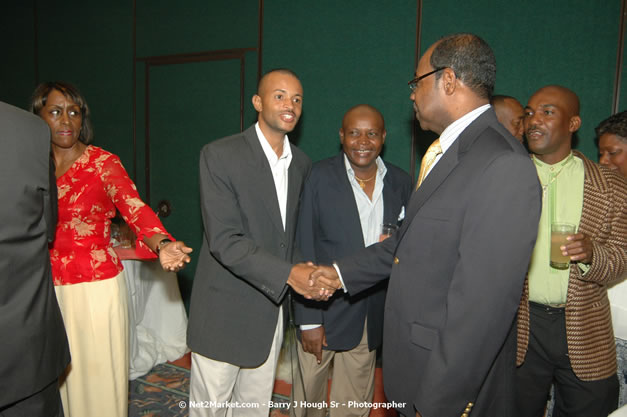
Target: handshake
x=314, y=282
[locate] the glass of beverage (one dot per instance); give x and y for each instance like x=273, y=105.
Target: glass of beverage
x=387, y=229
x=559, y=233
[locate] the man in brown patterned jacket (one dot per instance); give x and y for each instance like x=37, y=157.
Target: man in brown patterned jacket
x=564, y=326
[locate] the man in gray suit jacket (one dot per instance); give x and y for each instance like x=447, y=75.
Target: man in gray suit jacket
x=457, y=265
x=346, y=200
x=250, y=185
x=34, y=350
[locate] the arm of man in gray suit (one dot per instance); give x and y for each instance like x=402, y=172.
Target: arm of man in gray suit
x=229, y=243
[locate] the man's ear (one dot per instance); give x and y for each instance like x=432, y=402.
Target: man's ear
x=574, y=124
x=449, y=81
x=384, y=135
x=257, y=103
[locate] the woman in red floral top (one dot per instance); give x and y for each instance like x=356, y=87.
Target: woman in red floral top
x=87, y=273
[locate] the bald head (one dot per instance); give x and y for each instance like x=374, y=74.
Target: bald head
x=551, y=119
x=566, y=96
x=509, y=113
x=363, y=111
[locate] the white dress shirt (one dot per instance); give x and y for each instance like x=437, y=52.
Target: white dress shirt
x=279, y=166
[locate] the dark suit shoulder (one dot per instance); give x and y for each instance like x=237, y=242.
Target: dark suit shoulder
x=227, y=143
x=324, y=165
x=15, y=120
x=300, y=156
x=398, y=173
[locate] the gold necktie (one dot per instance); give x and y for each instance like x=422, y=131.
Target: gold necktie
x=428, y=160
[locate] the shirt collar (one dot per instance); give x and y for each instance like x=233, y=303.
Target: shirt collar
x=381, y=168
x=452, y=131
x=267, y=149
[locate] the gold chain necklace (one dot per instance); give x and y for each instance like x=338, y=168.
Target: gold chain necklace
x=553, y=178
x=362, y=183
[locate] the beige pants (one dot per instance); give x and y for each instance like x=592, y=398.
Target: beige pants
x=250, y=389
x=96, y=321
x=352, y=380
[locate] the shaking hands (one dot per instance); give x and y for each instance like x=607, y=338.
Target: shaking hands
x=314, y=282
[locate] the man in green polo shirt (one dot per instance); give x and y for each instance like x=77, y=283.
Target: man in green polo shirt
x=564, y=327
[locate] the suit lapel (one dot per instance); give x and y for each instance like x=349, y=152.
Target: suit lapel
x=344, y=198
x=436, y=177
x=265, y=179
x=446, y=165
x=295, y=178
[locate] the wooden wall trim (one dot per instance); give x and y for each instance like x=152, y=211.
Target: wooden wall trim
x=619, y=56
x=412, y=153
x=134, y=84
x=35, y=44
x=204, y=56
x=185, y=58
x=260, y=42
x=225, y=54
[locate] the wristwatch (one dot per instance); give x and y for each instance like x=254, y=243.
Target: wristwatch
x=161, y=243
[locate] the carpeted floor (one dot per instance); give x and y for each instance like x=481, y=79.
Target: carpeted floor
x=164, y=392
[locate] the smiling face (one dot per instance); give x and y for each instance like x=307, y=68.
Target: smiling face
x=551, y=118
x=64, y=118
x=613, y=152
x=362, y=136
x=279, y=103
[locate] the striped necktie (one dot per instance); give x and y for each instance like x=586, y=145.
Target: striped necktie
x=428, y=160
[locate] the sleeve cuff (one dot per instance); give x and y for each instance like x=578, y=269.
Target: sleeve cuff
x=309, y=326
x=339, y=274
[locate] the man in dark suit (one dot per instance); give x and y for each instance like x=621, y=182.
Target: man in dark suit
x=250, y=185
x=457, y=264
x=346, y=200
x=34, y=350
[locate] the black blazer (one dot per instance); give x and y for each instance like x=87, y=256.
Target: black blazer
x=457, y=268
x=246, y=256
x=328, y=229
x=34, y=349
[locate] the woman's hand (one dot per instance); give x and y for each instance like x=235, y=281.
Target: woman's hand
x=174, y=255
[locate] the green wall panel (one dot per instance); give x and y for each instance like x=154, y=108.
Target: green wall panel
x=89, y=44
x=17, y=72
x=190, y=105
x=346, y=53
x=539, y=42
x=167, y=27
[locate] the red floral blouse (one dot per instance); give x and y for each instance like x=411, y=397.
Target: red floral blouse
x=89, y=193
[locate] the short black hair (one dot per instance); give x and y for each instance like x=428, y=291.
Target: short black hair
x=615, y=125
x=471, y=58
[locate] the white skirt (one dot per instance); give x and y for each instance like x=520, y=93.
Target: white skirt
x=96, y=321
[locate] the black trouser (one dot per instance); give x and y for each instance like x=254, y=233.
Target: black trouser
x=547, y=363
x=45, y=403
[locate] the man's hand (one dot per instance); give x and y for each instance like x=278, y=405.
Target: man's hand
x=327, y=279
x=174, y=255
x=299, y=281
x=313, y=340
x=579, y=249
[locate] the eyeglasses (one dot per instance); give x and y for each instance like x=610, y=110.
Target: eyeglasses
x=413, y=83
